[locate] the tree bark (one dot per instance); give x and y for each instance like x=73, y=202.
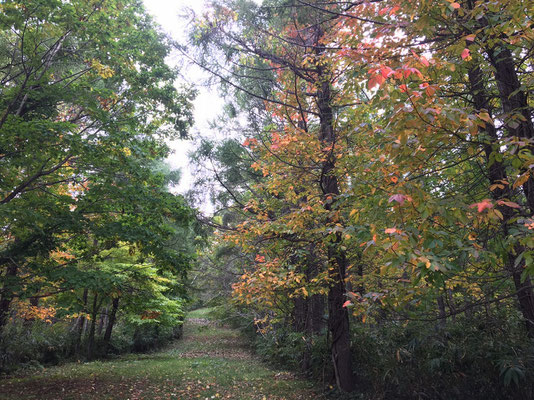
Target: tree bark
x=102, y=321
x=111, y=322
x=338, y=317
x=497, y=172
x=81, y=323
x=7, y=294
x=91, y=337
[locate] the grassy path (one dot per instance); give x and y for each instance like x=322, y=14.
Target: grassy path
x=209, y=363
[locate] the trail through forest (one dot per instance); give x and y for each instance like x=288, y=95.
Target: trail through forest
x=210, y=362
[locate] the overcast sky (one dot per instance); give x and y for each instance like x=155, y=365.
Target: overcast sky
x=170, y=14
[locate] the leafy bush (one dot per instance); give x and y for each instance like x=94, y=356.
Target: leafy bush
x=30, y=345
x=466, y=359
x=471, y=358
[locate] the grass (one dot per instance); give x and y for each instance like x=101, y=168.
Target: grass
x=211, y=362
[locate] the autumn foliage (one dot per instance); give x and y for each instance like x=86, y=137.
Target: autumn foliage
x=395, y=159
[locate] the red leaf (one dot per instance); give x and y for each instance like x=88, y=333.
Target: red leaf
x=508, y=203
x=465, y=54
x=347, y=303
x=394, y=10
x=386, y=71
x=399, y=198
x=481, y=206
x=383, y=11
x=455, y=5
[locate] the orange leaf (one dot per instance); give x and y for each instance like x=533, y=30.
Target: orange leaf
x=394, y=10
x=481, y=206
x=470, y=38
x=455, y=5
x=510, y=204
x=521, y=180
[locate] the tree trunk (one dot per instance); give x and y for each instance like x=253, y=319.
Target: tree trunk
x=7, y=294
x=102, y=321
x=111, y=321
x=338, y=317
x=91, y=337
x=81, y=323
x=497, y=174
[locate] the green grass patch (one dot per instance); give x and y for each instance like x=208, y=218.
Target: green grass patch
x=211, y=362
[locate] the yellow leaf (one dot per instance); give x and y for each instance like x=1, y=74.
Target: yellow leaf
x=498, y=213
x=521, y=180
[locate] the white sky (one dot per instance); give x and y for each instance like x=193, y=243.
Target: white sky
x=170, y=15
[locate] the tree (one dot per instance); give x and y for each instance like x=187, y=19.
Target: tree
x=394, y=140
x=298, y=160
x=87, y=102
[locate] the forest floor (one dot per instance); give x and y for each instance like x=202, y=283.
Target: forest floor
x=210, y=362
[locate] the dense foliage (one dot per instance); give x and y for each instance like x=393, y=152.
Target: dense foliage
x=90, y=233
x=385, y=170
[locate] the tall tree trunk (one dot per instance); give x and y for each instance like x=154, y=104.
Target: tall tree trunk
x=80, y=324
x=497, y=173
x=514, y=102
x=111, y=321
x=91, y=337
x=338, y=317
x=102, y=321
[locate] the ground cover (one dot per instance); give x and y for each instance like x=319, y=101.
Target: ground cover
x=210, y=362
